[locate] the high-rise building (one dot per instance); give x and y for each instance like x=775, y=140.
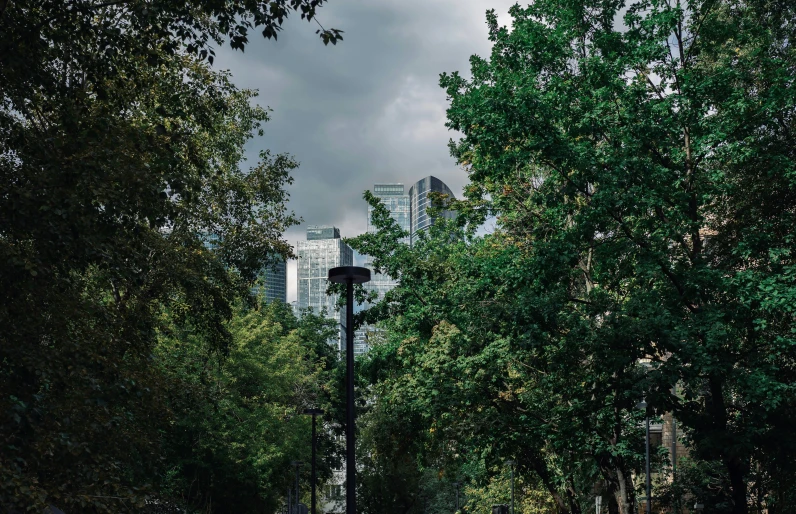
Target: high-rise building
x=396, y=200
x=272, y=281
x=420, y=202
x=322, y=251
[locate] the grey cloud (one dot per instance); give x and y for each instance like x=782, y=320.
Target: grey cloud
x=367, y=110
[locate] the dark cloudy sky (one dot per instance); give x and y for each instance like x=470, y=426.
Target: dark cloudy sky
x=367, y=110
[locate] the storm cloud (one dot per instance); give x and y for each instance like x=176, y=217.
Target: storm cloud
x=367, y=110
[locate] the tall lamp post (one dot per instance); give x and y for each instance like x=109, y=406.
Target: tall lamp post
x=297, y=464
x=643, y=405
x=349, y=275
x=510, y=464
x=456, y=485
x=313, y=413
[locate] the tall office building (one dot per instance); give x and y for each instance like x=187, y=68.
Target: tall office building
x=322, y=251
x=396, y=200
x=272, y=281
x=420, y=202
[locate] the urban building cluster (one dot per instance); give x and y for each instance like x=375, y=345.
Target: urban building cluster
x=324, y=249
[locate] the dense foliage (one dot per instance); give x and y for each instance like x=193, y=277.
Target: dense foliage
x=237, y=420
x=639, y=160
x=120, y=153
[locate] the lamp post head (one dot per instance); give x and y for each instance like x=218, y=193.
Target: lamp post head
x=355, y=274
x=641, y=405
x=509, y=463
x=455, y=484
x=313, y=412
x=296, y=463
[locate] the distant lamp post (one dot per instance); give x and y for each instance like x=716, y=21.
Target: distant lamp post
x=510, y=464
x=313, y=413
x=289, y=504
x=297, y=464
x=699, y=506
x=349, y=275
x=456, y=485
x=643, y=406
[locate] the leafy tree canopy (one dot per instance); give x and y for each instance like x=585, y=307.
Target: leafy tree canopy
x=122, y=198
x=639, y=160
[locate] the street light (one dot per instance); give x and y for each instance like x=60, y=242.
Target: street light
x=349, y=275
x=456, y=485
x=510, y=463
x=297, y=464
x=313, y=413
x=643, y=405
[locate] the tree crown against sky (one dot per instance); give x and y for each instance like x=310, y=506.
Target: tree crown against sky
x=127, y=215
x=642, y=176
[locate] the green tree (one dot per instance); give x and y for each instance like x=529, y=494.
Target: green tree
x=648, y=171
x=120, y=153
x=639, y=161
x=238, y=417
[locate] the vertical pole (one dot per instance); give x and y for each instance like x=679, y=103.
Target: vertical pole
x=313, y=464
x=512, y=489
x=350, y=490
x=457, y=497
x=298, y=497
x=289, y=506
x=674, y=454
x=649, y=485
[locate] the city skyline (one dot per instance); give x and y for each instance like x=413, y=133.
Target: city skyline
x=398, y=199
x=322, y=250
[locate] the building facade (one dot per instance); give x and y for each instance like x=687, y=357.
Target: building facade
x=271, y=283
x=420, y=202
x=322, y=251
x=396, y=199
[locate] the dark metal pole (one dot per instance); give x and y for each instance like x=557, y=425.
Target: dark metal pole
x=350, y=275
x=350, y=490
x=313, y=464
x=512, y=489
x=649, y=485
x=298, y=497
x=297, y=464
x=289, y=506
x=313, y=413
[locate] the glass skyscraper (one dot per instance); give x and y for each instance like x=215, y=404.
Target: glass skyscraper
x=420, y=202
x=396, y=200
x=272, y=281
x=322, y=251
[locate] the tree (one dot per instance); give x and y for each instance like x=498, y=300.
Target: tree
x=647, y=171
x=120, y=153
x=238, y=418
x=639, y=161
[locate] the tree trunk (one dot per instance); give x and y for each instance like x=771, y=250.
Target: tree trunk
x=564, y=505
x=735, y=468
x=624, y=498
x=619, y=482
x=733, y=462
